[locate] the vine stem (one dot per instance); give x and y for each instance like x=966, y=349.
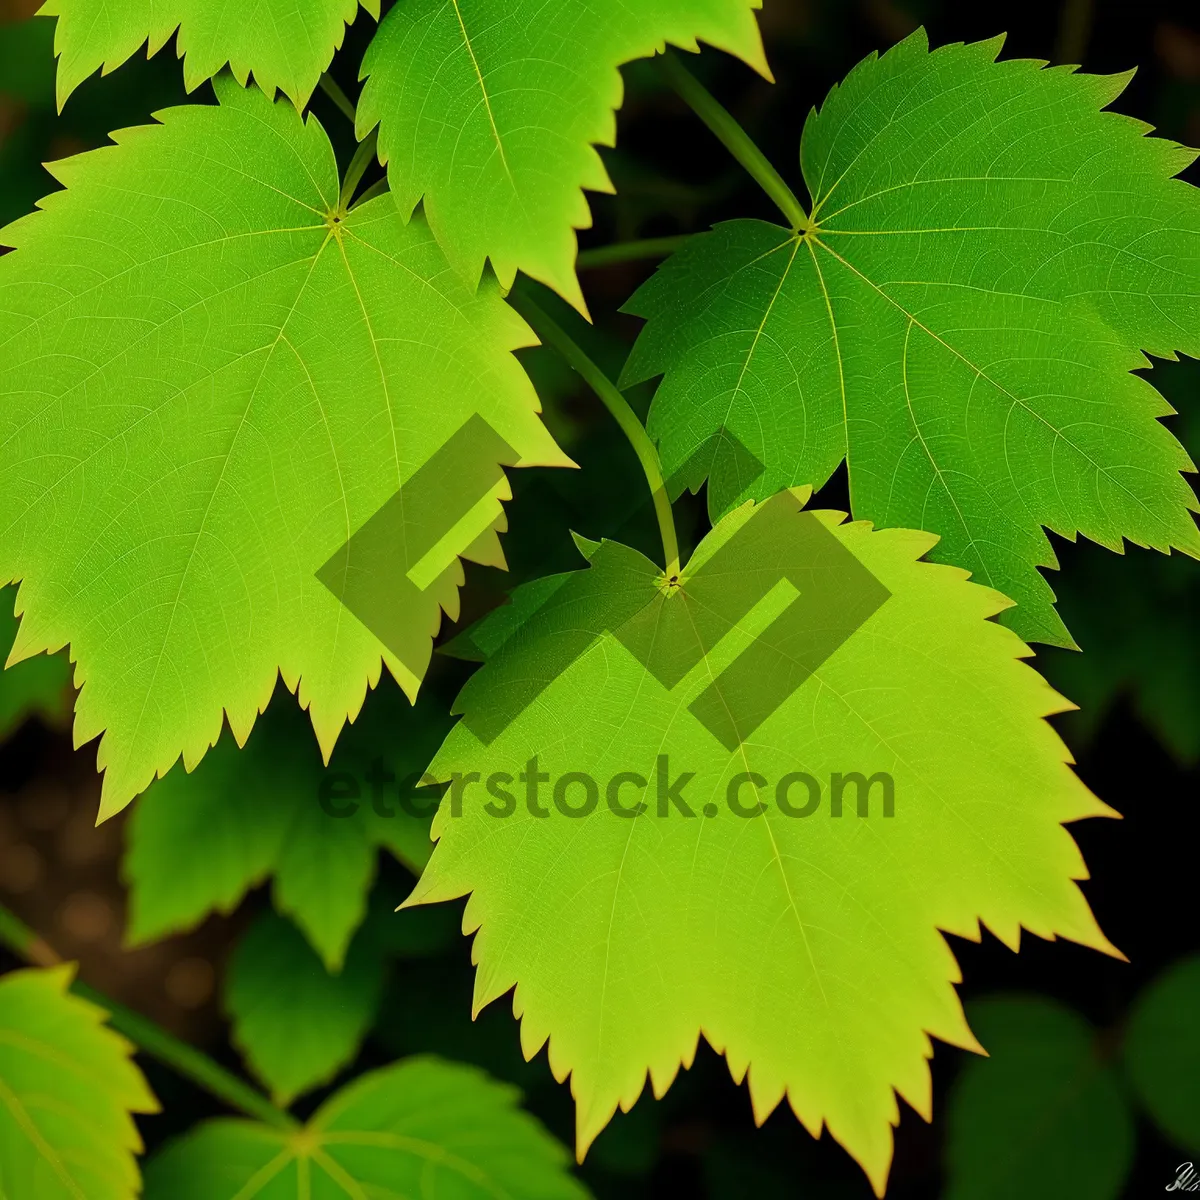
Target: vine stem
x=189, y=1062
x=735, y=139
x=376, y=189
x=623, y=252
x=553, y=334
x=362, y=159
x=332, y=89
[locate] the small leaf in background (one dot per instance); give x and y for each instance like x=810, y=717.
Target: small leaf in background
x=806, y=950
x=198, y=842
x=27, y=62
x=68, y=1089
x=214, y=376
x=1162, y=1052
x=420, y=1128
x=492, y=114
x=1142, y=644
x=40, y=685
x=1044, y=1116
x=285, y=45
x=296, y=1023
x=959, y=324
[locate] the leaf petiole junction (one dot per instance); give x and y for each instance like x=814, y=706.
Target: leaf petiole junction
x=736, y=140
x=553, y=334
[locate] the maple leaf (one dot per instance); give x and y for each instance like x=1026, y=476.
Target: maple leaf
x=1140, y=642
x=286, y=46
x=490, y=113
x=199, y=841
x=987, y=258
x=806, y=950
x=68, y=1092
x=421, y=1127
x=213, y=375
x=296, y=1023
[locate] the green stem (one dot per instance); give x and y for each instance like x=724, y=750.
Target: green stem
x=623, y=252
x=188, y=1061
x=148, y=1037
x=735, y=139
x=376, y=189
x=23, y=942
x=330, y=87
x=553, y=334
x=363, y=157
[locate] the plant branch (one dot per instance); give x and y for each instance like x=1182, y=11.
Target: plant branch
x=24, y=943
x=147, y=1036
x=735, y=139
x=330, y=87
x=552, y=334
x=623, y=252
x=362, y=159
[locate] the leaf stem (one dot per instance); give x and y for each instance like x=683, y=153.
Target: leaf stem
x=147, y=1036
x=553, y=334
x=735, y=139
x=24, y=943
x=331, y=88
x=623, y=252
x=362, y=159
x=376, y=189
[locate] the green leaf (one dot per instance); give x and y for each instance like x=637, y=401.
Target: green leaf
x=68, y=1088
x=420, y=1128
x=212, y=377
x=40, y=685
x=198, y=842
x=491, y=113
x=1143, y=641
x=27, y=62
x=286, y=46
x=806, y=950
x=990, y=253
x=297, y=1024
x=1043, y=1116
x=1162, y=1052
x=1139, y=642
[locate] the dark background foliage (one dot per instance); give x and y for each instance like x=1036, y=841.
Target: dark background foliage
x=1138, y=682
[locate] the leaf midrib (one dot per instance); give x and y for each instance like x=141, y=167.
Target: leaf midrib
x=25, y=1123
x=487, y=100
x=1017, y=400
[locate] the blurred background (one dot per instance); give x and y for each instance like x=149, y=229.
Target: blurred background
x=1093, y=1088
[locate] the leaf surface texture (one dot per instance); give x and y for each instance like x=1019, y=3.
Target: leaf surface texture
x=68, y=1092
x=420, y=1128
x=491, y=110
x=296, y=1023
x=285, y=45
x=212, y=378
x=991, y=254
x=806, y=949
x=198, y=842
